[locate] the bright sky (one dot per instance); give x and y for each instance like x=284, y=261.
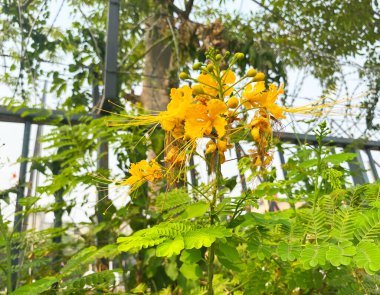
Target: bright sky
x=11, y=133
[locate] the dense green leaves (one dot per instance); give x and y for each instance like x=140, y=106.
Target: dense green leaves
x=170, y=247
x=37, y=287
x=368, y=256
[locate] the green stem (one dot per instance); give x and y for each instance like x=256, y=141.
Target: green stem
x=318, y=173
x=7, y=240
x=211, y=249
x=211, y=257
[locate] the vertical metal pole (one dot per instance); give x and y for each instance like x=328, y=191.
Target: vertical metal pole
x=282, y=161
x=372, y=164
x=110, y=77
x=358, y=170
x=17, y=224
x=110, y=93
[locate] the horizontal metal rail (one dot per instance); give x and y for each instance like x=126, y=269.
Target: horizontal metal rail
x=41, y=116
x=297, y=138
x=57, y=117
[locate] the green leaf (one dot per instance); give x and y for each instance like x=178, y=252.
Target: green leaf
x=288, y=252
x=81, y=260
x=259, y=250
x=84, y=256
x=29, y=201
x=341, y=253
x=368, y=256
x=337, y=159
x=190, y=256
x=152, y=236
x=170, y=247
x=368, y=227
x=191, y=271
x=313, y=255
x=37, y=287
x=344, y=225
x=230, y=182
x=308, y=163
x=171, y=269
x=204, y=237
x=229, y=257
x=195, y=210
x=172, y=199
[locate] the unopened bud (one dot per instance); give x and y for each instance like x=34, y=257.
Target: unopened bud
x=260, y=76
x=251, y=73
x=183, y=76
x=239, y=55
x=227, y=54
x=233, y=102
x=218, y=57
x=197, y=66
x=210, y=147
x=210, y=67
x=197, y=89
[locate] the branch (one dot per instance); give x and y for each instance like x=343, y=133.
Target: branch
x=183, y=13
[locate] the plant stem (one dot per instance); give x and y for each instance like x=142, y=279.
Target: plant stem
x=7, y=241
x=211, y=250
x=318, y=172
x=211, y=257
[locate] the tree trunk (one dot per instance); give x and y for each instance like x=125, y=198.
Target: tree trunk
x=155, y=94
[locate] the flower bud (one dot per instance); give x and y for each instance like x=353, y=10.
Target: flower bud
x=197, y=89
x=227, y=54
x=197, y=66
x=260, y=76
x=251, y=73
x=255, y=132
x=210, y=147
x=183, y=76
x=218, y=57
x=239, y=55
x=210, y=67
x=233, y=102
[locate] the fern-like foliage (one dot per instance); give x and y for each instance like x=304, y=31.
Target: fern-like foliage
x=343, y=224
x=315, y=223
x=368, y=226
x=172, y=237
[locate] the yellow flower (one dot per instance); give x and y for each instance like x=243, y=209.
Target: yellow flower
x=253, y=96
x=142, y=172
x=259, y=97
x=261, y=130
x=172, y=119
x=210, y=84
x=202, y=119
x=271, y=97
x=175, y=156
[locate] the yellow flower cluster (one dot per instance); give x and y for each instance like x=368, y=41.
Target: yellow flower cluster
x=216, y=107
x=141, y=172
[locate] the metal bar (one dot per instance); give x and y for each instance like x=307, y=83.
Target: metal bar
x=17, y=224
x=56, y=117
x=372, y=164
x=41, y=116
x=282, y=161
x=295, y=138
x=110, y=79
x=110, y=93
x=357, y=168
